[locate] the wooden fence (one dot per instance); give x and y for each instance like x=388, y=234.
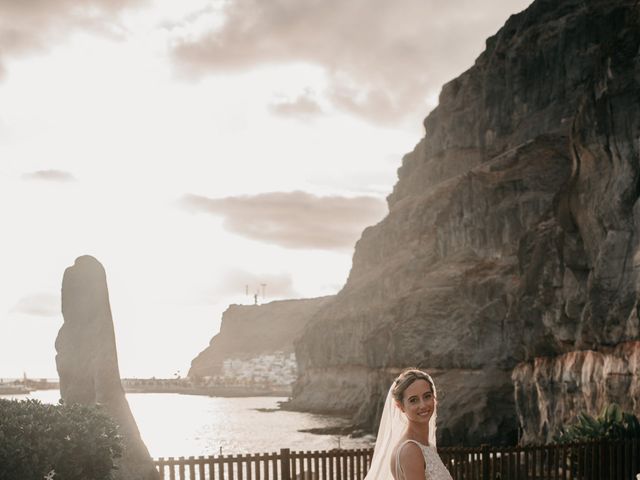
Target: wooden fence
x=285, y=465
x=600, y=460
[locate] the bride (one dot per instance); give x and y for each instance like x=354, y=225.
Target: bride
x=406, y=443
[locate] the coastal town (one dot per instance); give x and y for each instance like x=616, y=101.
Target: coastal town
x=270, y=374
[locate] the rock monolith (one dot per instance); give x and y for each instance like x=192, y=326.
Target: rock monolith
x=87, y=360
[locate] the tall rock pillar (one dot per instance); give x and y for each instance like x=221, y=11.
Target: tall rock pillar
x=87, y=360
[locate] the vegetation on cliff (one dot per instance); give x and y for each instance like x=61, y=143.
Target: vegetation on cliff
x=612, y=423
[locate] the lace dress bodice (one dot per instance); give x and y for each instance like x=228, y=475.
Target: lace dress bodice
x=434, y=468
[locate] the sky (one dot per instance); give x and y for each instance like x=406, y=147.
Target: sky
x=201, y=149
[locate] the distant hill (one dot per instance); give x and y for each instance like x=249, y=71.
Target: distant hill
x=255, y=343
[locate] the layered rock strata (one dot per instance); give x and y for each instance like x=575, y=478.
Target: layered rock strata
x=512, y=230
x=550, y=392
x=87, y=361
x=255, y=342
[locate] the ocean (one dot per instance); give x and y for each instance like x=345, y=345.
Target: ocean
x=174, y=425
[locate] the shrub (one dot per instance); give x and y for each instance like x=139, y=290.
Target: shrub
x=611, y=423
x=59, y=442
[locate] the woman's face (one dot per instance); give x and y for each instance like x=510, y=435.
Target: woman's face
x=418, y=402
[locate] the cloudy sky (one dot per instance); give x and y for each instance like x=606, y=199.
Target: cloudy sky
x=200, y=146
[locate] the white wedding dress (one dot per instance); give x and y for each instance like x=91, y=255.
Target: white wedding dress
x=434, y=468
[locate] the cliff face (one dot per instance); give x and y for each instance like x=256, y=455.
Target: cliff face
x=581, y=381
x=252, y=334
x=512, y=230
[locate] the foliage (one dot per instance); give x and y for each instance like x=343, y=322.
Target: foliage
x=59, y=442
x=611, y=423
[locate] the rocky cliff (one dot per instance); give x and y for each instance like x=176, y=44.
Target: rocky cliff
x=512, y=231
x=552, y=391
x=87, y=361
x=256, y=340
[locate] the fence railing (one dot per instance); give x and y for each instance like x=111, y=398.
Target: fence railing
x=285, y=465
x=598, y=460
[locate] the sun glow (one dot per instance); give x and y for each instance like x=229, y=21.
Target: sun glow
x=101, y=135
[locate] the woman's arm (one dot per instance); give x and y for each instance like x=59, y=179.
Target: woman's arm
x=412, y=462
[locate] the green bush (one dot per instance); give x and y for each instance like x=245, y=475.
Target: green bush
x=612, y=423
x=59, y=442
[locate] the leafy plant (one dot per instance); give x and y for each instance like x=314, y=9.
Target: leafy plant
x=57, y=442
x=611, y=423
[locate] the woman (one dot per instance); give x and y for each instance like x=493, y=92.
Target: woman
x=406, y=443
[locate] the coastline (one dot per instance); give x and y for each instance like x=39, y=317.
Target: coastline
x=14, y=390
x=22, y=387
x=213, y=391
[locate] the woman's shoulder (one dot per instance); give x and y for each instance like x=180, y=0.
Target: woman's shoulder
x=409, y=450
x=407, y=459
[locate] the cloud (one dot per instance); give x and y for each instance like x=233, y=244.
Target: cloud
x=50, y=176
x=374, y=182
x=383, y=59
x=304, y=106
x=35, y=25
x=241, y=282
x=296, y=220
x=39, y=305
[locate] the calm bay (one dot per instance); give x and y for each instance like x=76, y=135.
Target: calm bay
x=174, y=425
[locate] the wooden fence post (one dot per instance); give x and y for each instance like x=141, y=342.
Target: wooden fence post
x=285, y=467
x=485, y=462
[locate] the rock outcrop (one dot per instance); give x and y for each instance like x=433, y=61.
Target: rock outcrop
x=87, y=360
x=258, y=339
x=512, y=231
x=552, y=391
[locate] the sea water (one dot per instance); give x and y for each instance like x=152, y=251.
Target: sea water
x=174, y=425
